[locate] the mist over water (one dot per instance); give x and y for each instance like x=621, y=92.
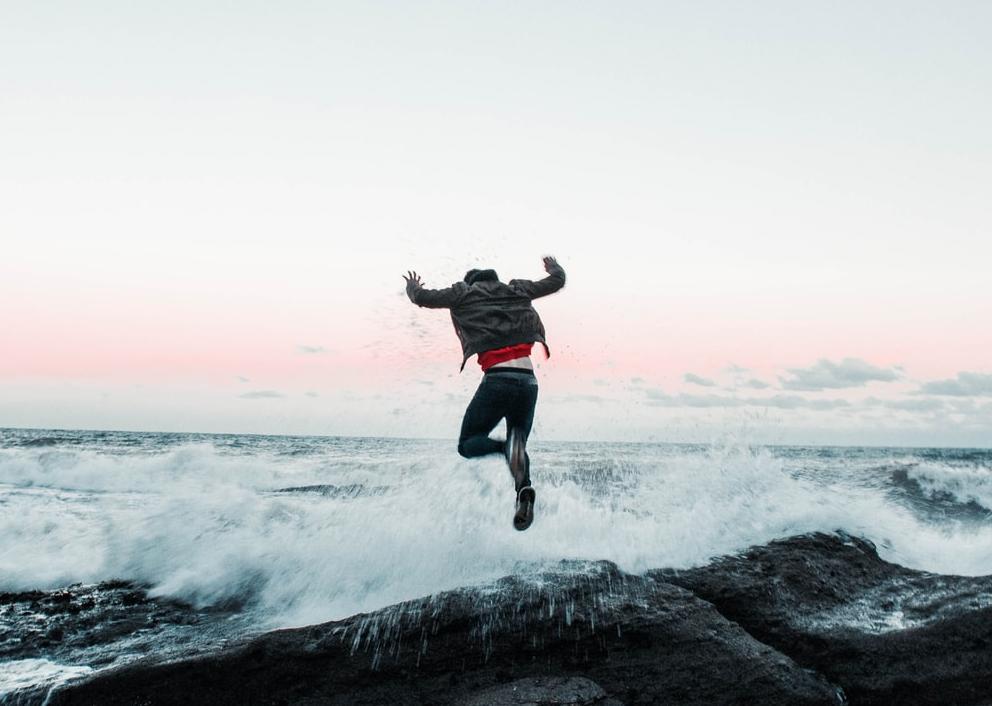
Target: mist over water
x=300, y=530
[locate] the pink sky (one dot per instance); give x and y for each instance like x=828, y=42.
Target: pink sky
x=123, y=332
x=184, y=222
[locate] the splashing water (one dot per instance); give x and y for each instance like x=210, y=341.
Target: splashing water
x=301, y=530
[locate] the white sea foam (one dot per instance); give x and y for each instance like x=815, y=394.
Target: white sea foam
x=37, y=674
x=966, y=484
x=206, y=526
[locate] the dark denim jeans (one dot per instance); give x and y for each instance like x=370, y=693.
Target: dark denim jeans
x=501, y=394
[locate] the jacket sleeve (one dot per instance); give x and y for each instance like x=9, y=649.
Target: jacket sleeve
x=542, y=287
x=435, y=298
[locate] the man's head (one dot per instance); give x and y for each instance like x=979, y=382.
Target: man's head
x=473, y=276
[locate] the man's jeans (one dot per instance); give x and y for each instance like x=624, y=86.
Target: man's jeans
x=501, y=394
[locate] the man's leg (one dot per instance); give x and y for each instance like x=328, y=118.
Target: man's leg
x=519, y=420
x=484, y=412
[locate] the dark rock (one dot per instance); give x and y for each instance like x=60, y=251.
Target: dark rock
x=885, y=633
x=537, y=691
x=595, y=636
x=133, y=598
x=22, y=597
x=59, y=597
x=93, y=624
x=808, y=620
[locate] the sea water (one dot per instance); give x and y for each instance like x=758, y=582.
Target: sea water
x=289, y=531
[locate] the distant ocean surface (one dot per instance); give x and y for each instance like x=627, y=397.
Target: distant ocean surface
x=288, y=531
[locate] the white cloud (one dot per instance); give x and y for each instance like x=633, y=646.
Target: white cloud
x=912, y=405
x=261, y=395
x=311, y=350
x=576, y=397
x=697, y=380
x=968, y=406
x=850, y=372
x=796, y=402
x=756, y=384
x=964, y=385
x=657, y=398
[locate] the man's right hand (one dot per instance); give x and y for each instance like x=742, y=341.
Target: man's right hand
x=413, y=282
x=549, y=263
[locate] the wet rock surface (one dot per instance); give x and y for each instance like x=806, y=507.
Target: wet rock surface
x=885, y=633
x=815, y=619
x=598, y=636
x=543, y=690
x=97, y=624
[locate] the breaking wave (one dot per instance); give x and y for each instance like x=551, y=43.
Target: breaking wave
x=963, y=484
x=354, y=525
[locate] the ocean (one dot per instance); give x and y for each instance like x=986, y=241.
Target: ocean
x=215, y=536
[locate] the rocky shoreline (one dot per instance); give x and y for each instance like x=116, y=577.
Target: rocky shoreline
x=813, y=619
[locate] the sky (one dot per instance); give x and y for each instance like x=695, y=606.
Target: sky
x=774, y=216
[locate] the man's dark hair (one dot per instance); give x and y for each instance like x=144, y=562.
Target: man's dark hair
x=473, y=276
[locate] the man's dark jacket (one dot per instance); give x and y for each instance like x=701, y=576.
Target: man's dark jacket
x=489, y=314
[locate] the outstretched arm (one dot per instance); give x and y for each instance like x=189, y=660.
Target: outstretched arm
x=543, y=287
x=430, y=298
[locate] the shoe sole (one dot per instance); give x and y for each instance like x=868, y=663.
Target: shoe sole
x=524, y=515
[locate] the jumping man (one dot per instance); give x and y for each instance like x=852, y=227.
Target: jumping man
x=497, y=322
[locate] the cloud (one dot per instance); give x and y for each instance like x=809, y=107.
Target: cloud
x=918, y=405
x=697, y=380
x=964, y=385
x=796, y=402
x=637, y=381
x=657, y=398
x=311, y=350
x=578, y=398
x=311, y=394
x=968, y=406
x=756, y=384
x=261, y=395
x=242, y=378
x=735, y=369
x=600, y=382
x=850, y=372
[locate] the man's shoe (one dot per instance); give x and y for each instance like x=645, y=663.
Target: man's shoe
x=524, y=516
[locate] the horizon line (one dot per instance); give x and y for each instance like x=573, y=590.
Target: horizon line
x=433, y=438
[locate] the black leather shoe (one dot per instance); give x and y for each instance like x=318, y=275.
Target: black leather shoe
x=524, y=516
